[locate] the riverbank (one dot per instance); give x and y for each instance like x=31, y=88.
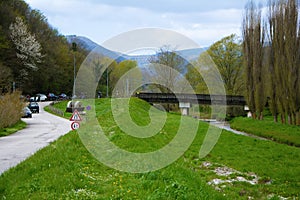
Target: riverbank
x=281, y=133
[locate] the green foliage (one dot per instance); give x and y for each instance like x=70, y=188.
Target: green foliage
x=11, y=108
x=5, y=79
x=54, y=73
x=196, y=80
x=119, y=75
x=221, y=64
x=227, y=56
x=282, y=133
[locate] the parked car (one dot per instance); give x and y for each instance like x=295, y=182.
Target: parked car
x=26, y=113
x=43, y=97
x=63, y=96
x=38, y=97
x=52, y=97
x=34, y=107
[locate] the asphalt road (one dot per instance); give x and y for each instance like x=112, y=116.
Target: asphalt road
x=41, y=129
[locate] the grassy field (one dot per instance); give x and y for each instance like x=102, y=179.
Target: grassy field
x=10, y=130
x=66, y=170
x=266, y=128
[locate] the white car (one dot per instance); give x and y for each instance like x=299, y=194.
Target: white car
x=39, y=97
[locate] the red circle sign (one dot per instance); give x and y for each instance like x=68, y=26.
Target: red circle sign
x=75, y=125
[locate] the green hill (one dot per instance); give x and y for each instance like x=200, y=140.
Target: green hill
x=66, y=170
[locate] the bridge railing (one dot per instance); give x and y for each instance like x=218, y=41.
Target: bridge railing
x=205, y=99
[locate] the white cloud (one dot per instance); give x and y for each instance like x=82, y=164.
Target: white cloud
x=100, y=20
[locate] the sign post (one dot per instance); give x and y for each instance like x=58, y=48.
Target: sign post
x=75, y=125
x=75, y=118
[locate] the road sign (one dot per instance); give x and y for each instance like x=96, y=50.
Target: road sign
x=75, y=125
x=75, y=116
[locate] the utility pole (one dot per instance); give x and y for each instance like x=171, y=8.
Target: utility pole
x=74, y=49
x=107, y=83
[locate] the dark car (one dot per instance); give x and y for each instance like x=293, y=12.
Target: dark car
x=63, y=96
x=34, y=107
x=26, y=113
x=52, y=97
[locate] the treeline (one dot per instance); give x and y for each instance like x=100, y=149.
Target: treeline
x=34, y=57
x=271, y=51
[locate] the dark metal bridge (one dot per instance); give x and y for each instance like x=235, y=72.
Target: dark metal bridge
x=204, y=99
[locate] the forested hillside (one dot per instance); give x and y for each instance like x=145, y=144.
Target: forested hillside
x=34, y=56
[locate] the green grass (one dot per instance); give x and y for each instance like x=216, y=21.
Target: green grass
x=61, y=106
x=266, y=128
x=10, y=130
x=66, y=170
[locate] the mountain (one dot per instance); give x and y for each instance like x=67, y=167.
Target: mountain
x=142, y=60
x=89, y=45
x=191, y=54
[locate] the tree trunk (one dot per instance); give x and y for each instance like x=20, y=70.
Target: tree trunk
x=289, y=119
x=275, y=118
x=282, y=119
x=298, y=118
x=253, y=114
x=261, y=116
x=294, y=118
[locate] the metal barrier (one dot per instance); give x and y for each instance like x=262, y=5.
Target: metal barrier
x=56, y=111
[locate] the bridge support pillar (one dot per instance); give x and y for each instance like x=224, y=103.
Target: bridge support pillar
x=185, y=108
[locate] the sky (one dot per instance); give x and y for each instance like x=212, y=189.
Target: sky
x=203, y=21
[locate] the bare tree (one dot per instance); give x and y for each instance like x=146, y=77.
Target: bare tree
x=167, y=66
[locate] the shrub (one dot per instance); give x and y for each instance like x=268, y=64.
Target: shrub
x=11, y=108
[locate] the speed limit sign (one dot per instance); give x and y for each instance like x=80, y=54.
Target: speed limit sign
x=75, y=125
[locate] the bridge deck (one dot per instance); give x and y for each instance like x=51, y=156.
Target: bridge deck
x=204, y=99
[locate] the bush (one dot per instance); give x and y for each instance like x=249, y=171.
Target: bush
x=11, y=108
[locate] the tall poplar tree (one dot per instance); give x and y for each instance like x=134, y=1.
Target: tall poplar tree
x=253, y=37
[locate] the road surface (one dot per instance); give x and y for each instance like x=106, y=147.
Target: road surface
x=41, y=129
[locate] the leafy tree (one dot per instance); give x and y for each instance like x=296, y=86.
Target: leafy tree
x=5, y=79
x=195, y=79
x=55, y=72
x=118, y=73
x=227, y=56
